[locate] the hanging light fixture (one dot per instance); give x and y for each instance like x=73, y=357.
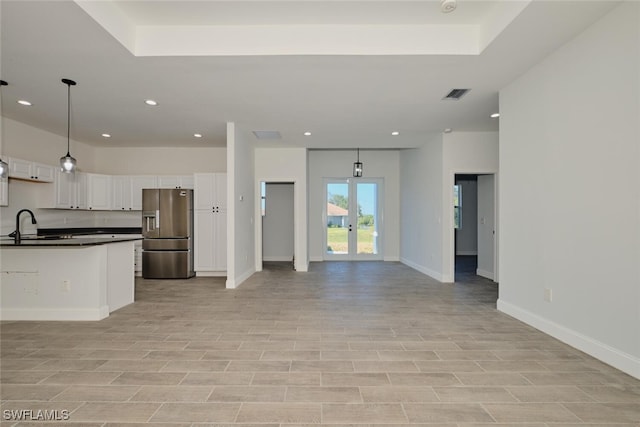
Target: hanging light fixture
x=4, y=167
x=68, y=163
x=357, y=166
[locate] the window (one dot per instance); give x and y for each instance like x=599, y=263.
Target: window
x=457, y=207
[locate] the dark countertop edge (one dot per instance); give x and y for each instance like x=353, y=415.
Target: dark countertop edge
x=66, y=243
x=88, y=231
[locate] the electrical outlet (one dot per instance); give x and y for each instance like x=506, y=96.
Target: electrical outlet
x=66, y=286
x=548, y=295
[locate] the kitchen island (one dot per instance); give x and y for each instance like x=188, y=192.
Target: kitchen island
x=80, y=278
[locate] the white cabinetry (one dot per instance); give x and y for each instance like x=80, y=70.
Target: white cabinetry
x=70, y=190
x=32, y=171
x=138, y=183
x=98, y=192
x=175, y=181
x=210, y=221
x=126, y=191
x=4, y=192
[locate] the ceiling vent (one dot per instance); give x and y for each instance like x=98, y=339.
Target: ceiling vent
x=267, y=134
x=456, y=94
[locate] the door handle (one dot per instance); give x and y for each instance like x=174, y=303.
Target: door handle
x=157, y=219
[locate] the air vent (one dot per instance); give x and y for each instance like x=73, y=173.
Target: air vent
x=456, y=94
x=267, y=134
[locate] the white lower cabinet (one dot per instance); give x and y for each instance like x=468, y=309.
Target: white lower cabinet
x=210, y=242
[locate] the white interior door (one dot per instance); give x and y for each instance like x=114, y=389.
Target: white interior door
x=486, y=227
x=352, y=219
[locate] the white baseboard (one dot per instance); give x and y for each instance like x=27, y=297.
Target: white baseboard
x=233, y=283
x=467, y=253
x=277, y=258
x=55, y=314
x=302, y=267
x=609, y=355
x=424, y=270
x=391, y=258
x=484, y=273
x=316, y=259
x=211, y=273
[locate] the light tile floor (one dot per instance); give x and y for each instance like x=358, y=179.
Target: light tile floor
x=346, y=343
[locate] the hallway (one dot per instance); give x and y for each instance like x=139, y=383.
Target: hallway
x=345, y=343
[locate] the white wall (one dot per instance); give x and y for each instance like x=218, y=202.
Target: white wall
x=241, y=205
x=467, y=235
x=286, y=165
x=427, y=178
x=421, y=189
x=569, y=205
x=463, y=153
x=339, y=164
x=278, y=223
x=160, y=160
x=30, y=143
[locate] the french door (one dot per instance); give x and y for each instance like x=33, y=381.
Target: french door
x=352, y=218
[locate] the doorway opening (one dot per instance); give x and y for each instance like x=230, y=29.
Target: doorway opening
x=278, y=225
x=474, y=223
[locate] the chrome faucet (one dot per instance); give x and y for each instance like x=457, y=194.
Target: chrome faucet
x=16, y=234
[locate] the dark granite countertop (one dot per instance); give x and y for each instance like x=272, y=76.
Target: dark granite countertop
x=72, y=231
x=48, y=242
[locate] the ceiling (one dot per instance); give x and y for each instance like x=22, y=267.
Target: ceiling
x=349, y=72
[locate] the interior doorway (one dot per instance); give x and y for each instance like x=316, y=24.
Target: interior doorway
x=474, y=243
x=278, y=225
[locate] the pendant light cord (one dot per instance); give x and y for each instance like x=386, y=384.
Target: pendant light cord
x=68, y=116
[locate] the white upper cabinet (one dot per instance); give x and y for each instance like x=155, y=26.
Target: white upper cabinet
x=98, y=192
x=4, y=192
x=31, y=171
x=175, y=181
x=70, y=190
x=210, y=190
x=120, y=193
x=138, y=183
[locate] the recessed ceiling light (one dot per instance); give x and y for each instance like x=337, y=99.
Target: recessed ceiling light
x=494, y=115
x=307, y=133
x=447, y=130
x=197, y=135
x=395, y=133
x=150, y=102
x=24, y=102
x=106, y=135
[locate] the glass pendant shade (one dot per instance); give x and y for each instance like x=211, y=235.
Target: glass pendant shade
x=357, y=166
x=67, y=164
x=4, y=169
x=357, y=169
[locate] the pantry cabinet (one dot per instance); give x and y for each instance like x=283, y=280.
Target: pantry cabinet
x=210, y=223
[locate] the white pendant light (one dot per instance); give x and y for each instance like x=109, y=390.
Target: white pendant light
x=4, y=167
x=357, y=166
x=68, y=163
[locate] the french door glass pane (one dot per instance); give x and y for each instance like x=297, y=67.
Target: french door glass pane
x=338, y=218
x=367, y=236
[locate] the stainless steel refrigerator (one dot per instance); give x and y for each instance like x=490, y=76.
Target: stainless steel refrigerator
x=167, y=228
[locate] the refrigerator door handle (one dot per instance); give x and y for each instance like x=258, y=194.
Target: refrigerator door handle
x=157, y=219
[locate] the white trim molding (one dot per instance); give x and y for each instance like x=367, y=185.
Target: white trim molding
x=607, y=354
